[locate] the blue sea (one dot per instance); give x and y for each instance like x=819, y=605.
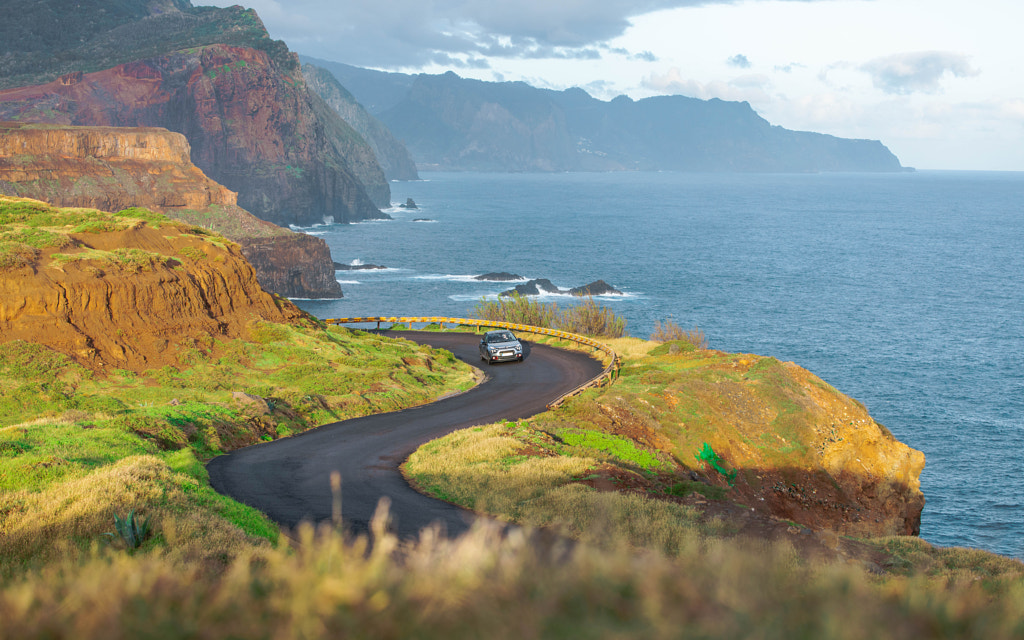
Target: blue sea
x=904, y=291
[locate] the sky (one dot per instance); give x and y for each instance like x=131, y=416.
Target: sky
x=937, y=81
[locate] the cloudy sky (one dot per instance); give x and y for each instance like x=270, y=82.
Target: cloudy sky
x=938, y=81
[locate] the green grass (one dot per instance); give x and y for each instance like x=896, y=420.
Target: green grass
x=63, y=429
x=622, y=449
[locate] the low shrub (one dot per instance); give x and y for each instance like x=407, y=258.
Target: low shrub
x=587, y=318
x=670, y=332
x=14, y=255
x=518, y=309
x=591, y=319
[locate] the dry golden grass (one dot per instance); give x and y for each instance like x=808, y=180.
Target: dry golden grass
x=67, y=518
x=483, y=469
x=495, y=585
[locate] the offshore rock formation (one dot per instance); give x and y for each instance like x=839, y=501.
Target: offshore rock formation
x=111, y=169
x=126, y=293
x=543, y=285
x=253, y=125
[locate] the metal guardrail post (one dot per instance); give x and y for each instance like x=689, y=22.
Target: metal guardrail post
x=609, y=372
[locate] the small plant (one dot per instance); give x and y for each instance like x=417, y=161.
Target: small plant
x=132, y=532
x=670, y=331
x=192, y=253
x=707, y=454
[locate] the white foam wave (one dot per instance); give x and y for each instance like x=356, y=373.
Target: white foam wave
x=447, y=276
x=347, y=281
x=468, y=297
x=546, y=296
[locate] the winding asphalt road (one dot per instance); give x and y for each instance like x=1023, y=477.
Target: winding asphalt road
x=289, y=479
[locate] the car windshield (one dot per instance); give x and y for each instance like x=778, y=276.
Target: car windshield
x=500, y=337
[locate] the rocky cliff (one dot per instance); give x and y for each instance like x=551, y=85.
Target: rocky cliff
x=111, y=169
x=135, y=291
x=795, y=447
x=244, y=106
x=391, y=154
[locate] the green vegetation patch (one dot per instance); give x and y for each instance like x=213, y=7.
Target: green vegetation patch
x=621, y=448
x=63, y=428
x=36, y=238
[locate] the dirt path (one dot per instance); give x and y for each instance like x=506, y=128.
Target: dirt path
x=289, y=479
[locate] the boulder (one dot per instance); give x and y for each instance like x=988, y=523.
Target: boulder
x=533, y=288
x=596, y=288
x=501, y=276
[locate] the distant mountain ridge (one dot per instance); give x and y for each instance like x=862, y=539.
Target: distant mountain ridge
x=453, y=123
x=390, y=154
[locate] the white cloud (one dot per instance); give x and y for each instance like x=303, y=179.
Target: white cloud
x=739, y=60
x=418, y=33
x=921, y=71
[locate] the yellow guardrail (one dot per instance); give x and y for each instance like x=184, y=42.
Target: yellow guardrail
x=606, y=376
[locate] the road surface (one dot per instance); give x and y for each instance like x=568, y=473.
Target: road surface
x=289, y=479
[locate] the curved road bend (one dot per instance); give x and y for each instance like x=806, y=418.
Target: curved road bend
x=289, y=479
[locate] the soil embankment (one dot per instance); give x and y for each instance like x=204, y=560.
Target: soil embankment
x=122, y=292
x=114, y=168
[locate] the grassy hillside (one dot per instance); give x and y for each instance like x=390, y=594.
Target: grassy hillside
x=743, y=428
x=82, y=440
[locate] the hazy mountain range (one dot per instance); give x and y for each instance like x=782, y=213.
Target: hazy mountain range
x=453, y=123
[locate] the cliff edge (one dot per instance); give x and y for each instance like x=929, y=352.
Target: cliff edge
x=133, y=291
x=114, y=168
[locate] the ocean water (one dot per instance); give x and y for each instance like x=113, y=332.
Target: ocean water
x=905, y=291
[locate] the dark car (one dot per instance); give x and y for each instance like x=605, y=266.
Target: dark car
x=499, y=346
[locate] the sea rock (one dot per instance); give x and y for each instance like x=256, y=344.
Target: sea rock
x=409, y=204
x=114, y=168
x=533, y=288
x=500, y=276
x=596, y=288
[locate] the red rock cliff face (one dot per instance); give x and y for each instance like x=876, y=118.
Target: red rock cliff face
x=114, y=168
x=250, y=122
x=104, y=168
x=136, y=296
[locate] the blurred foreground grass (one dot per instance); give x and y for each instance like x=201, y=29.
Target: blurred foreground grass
x=493, y=585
